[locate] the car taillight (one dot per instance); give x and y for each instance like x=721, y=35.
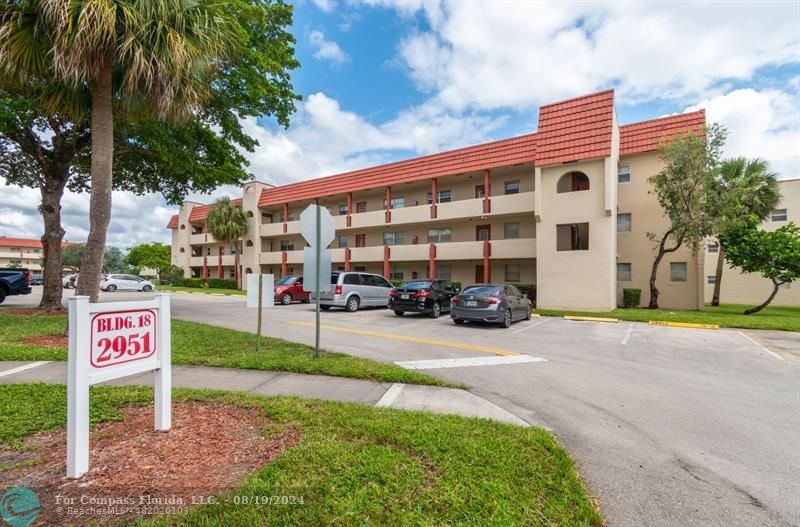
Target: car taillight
x=338, y=290
x=455, y=300
x=26, y=275
x=393, y=293
x=492, y=301
x=422, y=294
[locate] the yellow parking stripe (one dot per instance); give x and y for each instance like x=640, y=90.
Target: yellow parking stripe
x=682, y=324
x=406, y=338
x=592, y=319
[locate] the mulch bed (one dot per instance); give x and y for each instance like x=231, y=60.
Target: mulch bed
x=53, y=341
x=210, y=449
x=33, y=312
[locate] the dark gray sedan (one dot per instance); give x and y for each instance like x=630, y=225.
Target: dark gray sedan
x=494, y=303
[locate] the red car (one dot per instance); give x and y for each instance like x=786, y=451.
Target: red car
x=289, y=289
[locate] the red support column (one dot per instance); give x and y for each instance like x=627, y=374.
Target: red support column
x=487, y=192
x=487, y=252
x=219, y=263
x=387, y=269
x=205, y=266
x=347, y=259
x=205, y=230
x=283, y=264
x=434, y=197
x=432, y=262
x=285, y=216
x=349, y=208
x=388, y=204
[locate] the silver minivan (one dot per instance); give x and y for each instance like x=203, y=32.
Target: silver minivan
x=353, y=290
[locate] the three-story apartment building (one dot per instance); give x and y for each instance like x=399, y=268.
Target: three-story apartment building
x=565, y=209
x=25, y=253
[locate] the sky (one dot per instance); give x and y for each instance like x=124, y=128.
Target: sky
x=384, y=80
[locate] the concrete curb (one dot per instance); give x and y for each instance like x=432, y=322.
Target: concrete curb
x=434, y=399
x=591, y=319
x=682, y=324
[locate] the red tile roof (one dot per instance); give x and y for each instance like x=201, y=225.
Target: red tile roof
x=25, y=242
x=575, y=129
x=200, y=213
x=646, y=136
x=173, y=222
x=511, y=151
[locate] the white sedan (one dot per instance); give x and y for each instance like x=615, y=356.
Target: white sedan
x=121, y=282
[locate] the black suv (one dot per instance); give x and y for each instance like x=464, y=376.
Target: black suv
x=422, y=296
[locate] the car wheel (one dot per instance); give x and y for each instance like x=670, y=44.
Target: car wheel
x=111, y=288
x=458, y=321
x=399, y=313
x=147, y=288
x=436, y=311
x=2, y=295
x=528, y=315
x=352, y=304
x=324, y=308
x=507, y=318
x=286, y=299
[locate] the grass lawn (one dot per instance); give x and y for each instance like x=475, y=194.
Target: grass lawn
x=726, y=315
x=358, y=465
x=204, y=290
x=204, y=345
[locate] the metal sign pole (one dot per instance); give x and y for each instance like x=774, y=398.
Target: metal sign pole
x=316, y=282
x=260, y=307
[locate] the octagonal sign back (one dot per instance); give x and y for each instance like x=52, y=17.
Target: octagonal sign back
x=308, y=226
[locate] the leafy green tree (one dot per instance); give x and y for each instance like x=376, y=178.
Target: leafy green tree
x=227, y=222
x=45, y=134
x=690, y=161
x=114, y=260
x=773, y=254
x=741, y=189
x=154, y=256
x=71, y=257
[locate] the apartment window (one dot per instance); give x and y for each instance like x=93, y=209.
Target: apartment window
x=15, y=249
x=624, y=174
x=512, y=187
x=343, y=210
x=511, y=231
x=623, y=272
x=713, y=248
x=572, y=182
x=287, y=245
x=342, y=242
x=396, y=272
x=440, y=235
x=393, y=238
x=712, y=279
x=677, y=272
x=779, y=215
x=444, y=272
x=361, y=240
x=397, y=203
x=361, y=206
x=572, y=237
x=442, y=196
x=16, y=262
x=624, y=222
x=290, y=217
x=480, y=191
x=512, y=273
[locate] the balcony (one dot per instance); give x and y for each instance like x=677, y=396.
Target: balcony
x=513, y=203
x=459, y=251
x=270, y=258
x=276, y=229
x=337, y=255
x=367, y=254
x=517, y=248
x=415, y=214
x=368, y=219
x=465, y=208
x=409, y=253
x=196, y=261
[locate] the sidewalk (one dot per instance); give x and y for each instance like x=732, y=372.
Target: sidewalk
x=404, y=396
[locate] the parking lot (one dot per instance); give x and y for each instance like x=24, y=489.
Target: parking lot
x=669, y=426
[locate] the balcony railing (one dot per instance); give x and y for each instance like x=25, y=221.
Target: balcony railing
x=516, y=248
x=513, y=203
x=367, y=254
x=459, y=251
x=408, y=253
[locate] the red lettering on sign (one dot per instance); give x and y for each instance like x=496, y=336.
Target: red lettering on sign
x=123, y=336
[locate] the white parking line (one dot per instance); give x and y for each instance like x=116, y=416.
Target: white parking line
x=529, y=326
x=627, y=334
x=24, y=367
x=391, y=394
x=760, y=346
x=432, y=364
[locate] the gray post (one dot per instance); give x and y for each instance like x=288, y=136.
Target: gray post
x=260, y=307
x=316, y=282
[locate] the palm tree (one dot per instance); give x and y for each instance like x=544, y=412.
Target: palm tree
x=227, y=222
x=146, y=58
x=742, y=188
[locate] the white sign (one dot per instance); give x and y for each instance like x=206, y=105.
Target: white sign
x=327, y=231
x=308, y=227
x=109, y=341
x=267, y=290
x=310, y=270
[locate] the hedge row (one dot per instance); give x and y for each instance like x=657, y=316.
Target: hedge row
x=211, y=283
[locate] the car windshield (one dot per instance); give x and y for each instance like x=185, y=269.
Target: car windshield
x=481, y=290
x=416, y=285
x=286, y=280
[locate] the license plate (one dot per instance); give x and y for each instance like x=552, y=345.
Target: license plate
x=405, y=297
x=471, y=303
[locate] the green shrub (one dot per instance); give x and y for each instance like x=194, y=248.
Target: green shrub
x=455, y=285
x=221, y=283
x=396, y=283
x=631, y=297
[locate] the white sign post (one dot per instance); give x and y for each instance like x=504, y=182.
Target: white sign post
x=109, y=341
x=316, y=226
x=260, y=294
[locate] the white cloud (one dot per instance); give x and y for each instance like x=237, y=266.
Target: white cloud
x=326, y=5
x=326, y=49
x=763, y=124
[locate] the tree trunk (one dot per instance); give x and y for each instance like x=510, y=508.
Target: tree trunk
x=52, y=192
x=662, y=250
x=718, y=274
x=236, y=270
x=756, y=309
x=102, y=126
